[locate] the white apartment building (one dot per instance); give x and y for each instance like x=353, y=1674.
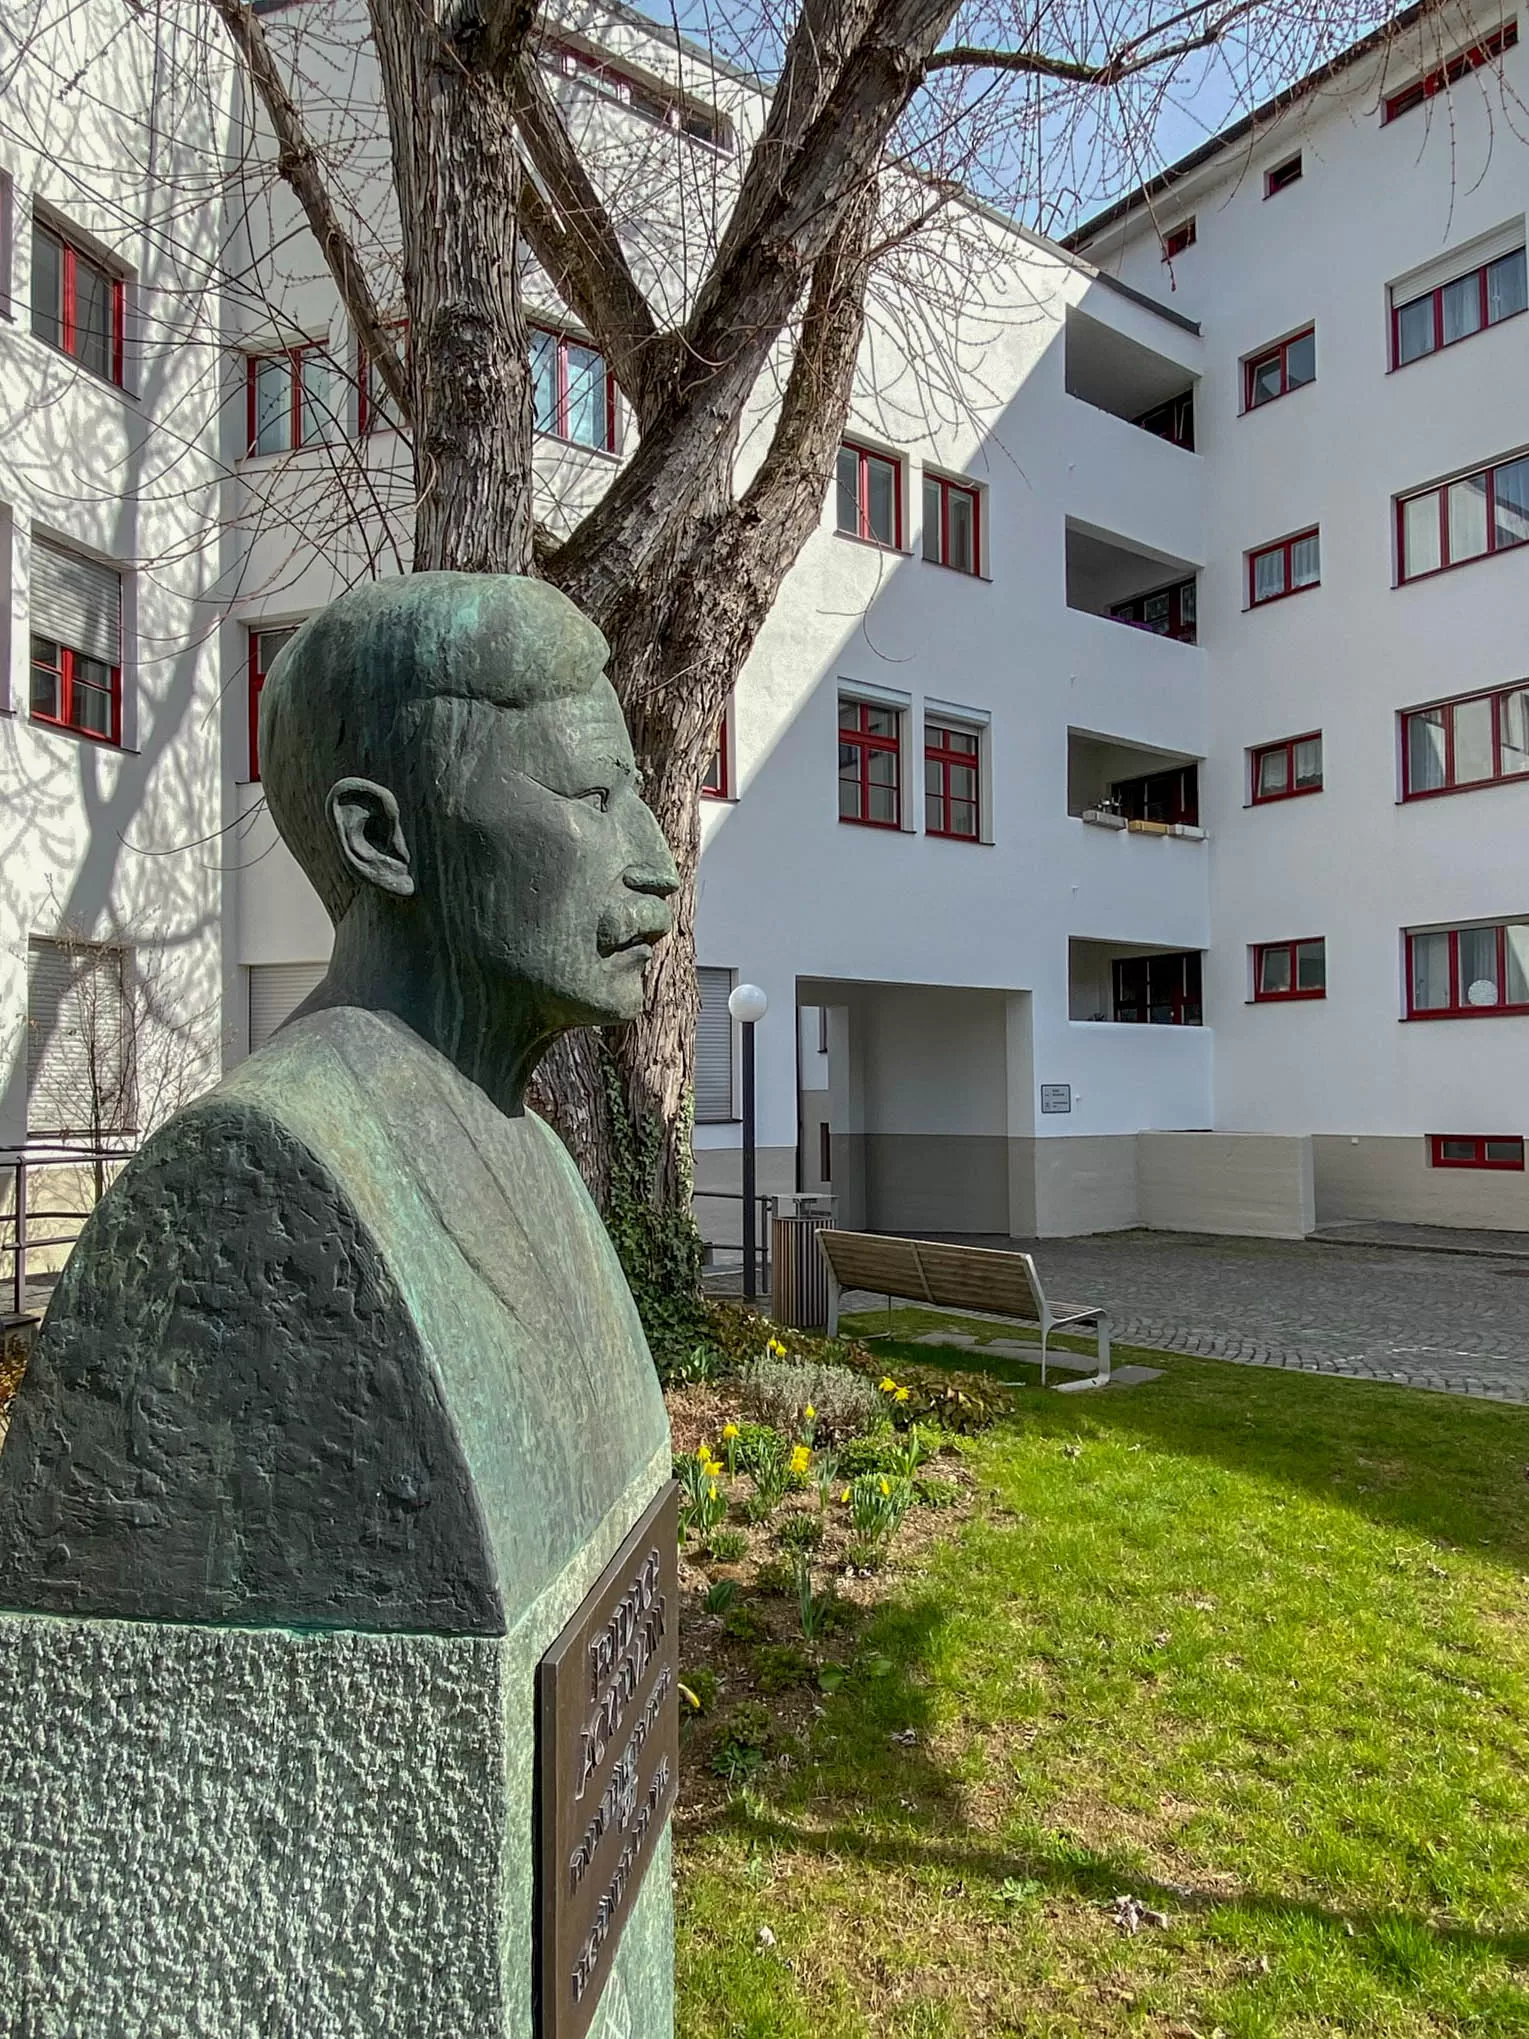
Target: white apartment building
x=1066, y=924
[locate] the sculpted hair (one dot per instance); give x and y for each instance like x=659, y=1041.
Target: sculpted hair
x=348, y=696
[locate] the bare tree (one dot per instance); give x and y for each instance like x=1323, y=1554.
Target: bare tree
x=873, y=105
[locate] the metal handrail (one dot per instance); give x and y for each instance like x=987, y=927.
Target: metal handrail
x=24, y=1162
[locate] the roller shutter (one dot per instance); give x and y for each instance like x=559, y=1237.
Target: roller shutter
x=714, y=1049
x=276, y=991
x=1458, y=262
x=76, y=601
x=79, y=1040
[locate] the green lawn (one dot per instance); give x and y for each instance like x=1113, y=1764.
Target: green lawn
x=1250, y=1647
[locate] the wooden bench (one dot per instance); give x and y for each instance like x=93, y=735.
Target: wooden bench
x=955, y=1278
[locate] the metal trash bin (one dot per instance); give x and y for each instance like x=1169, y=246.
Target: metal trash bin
x=798, y=1272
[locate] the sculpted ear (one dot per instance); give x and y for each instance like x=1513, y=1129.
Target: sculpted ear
x=364, y=817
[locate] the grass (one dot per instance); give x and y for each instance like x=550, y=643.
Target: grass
x=1249, y=1647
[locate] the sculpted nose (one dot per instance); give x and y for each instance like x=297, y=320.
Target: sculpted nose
x=652, y=869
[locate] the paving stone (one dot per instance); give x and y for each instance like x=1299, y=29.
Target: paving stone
x=944, y=1338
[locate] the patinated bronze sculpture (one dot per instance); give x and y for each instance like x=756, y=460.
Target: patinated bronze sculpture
x=347, y=1348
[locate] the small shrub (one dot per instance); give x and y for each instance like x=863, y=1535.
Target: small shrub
x=932, y=1493
x=777, y=1576
x=702, y=1687
x=876, y=1454
x=720, y=1595
x=800, y=1532
x=864, y=1555
x=727, y=1546
x=744, y=1625
x=757, y=1444
x=745, y=1742
x=779, y=1666
x=780, y=1391
x=702, y=1365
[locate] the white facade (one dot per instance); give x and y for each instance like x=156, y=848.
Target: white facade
x=946, y=1008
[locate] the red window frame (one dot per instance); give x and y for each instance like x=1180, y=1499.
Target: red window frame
x=1441, y=489
x=371, y=407
x=1287, y=547
x=945, y=756
x=1171, y=797
x=260, y=665
x=1498, y=697
x=866, y=455
x=1175, y=986
x=1449, y=73
x=64, y=670
x=1479, y=274
x=70, y=257
x=1291, y=790
x=1263, y=949
x=941, y=556
x=1478, y=1143
x=869, y=743
x=1459, y=1008
x=293, y=356
x=559, y=430
x=1283, y=175
x=1180, y=609
x=1279, y=352
x=1178, y=238
x=717, y=785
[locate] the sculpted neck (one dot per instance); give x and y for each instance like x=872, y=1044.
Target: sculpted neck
x=388, y=959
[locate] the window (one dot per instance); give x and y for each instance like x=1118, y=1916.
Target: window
x=1166, y=612
x=1177, y=239
x=714, y=1049
x=375, y=409
x=80, y=1076
x=1172, y=797
x=573, y=395
x=294, y=398
x=1158, y=991
x=1463, y=520
x=276, y=991
x=1173, y=421
x=1284, y=569
x=1278, y=370
x=952, y=533
x=78, y=304
x=870, y=778
x=76, y=643
x=1455, y=310
x=952, y=798
x=717, y=785
x=1289, y=970
x=870, y=496
x=264, y=645
x=686, y=116
x=1282, y=176
x=1468, y=972
x=1281, y=770
x=1447, y=74
x=1480, y=740
x=1462, y=1150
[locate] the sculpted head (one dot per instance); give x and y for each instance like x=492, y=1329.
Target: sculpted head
x=447, y=760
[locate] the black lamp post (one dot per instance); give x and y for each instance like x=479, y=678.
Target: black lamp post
x=748, y=1005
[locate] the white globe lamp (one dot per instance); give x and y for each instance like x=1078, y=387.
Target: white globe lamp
x=747, y=1003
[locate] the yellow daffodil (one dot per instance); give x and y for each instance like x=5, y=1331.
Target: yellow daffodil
x=809, y=1412
x=729, y=1430
x=901, y=1395
x=886, y=1487
x=887, y=1385
x=801, y=1458
x=845, y=1495
x=703, y=1452
x=714, y=1490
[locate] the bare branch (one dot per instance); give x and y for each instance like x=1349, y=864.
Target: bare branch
x=1136, y=55
x=298, y=163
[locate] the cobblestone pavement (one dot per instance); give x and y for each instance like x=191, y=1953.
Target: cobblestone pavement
x=1428, y=1320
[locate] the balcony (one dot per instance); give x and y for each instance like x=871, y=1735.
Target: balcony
x=1133, y=984
x=1131, y=584
x=1132, y=788
x=1117, y=374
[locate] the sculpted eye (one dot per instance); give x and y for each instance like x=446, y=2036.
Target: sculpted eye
x=599, y=796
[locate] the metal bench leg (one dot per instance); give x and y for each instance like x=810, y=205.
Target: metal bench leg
x=1045, y=1333
x=1102, y=1333
x=834, y=1292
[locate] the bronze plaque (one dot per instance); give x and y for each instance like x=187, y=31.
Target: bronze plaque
x=607, y=1756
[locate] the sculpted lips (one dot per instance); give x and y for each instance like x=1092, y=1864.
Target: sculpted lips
x=618, y=932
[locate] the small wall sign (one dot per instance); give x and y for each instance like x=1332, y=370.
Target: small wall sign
x=1056, y=1097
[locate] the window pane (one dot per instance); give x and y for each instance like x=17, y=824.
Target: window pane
x=962, y=740
x=962, y=549
x=1311, y=966
x=1154, y=614
x=1462, y=308
x=273, y=404
x=587, y=415
x=849, y=714
x=1518, y=964
x=323, y=398
x=883, y=805
x=1473, y=741
x=1513, y=731
x=47, y=687
x=849, y=489
x=92, y=317
x=963, y=783
x=1478, y=966
x=47, y=288
x=544, y=380
x=1506, y=292
x=1430, y=972
x=881, y=504
x=1301, y=361
x=1273, y=971
x=1273, y=773
x=932, y=493
x=1306, y=562
x=1468, y=517
x=1268, y=575
x=1458, y=1150
x=1264, y=381
x=1308, y=762
x=1425, y=751
x=1414, y=330
x=880, y=721
x=91, y=696
x=881, y=767
x=1511, y=489
x=849, y=794
x=1509, y=1153
x=963, y=817
x=1420, y=534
